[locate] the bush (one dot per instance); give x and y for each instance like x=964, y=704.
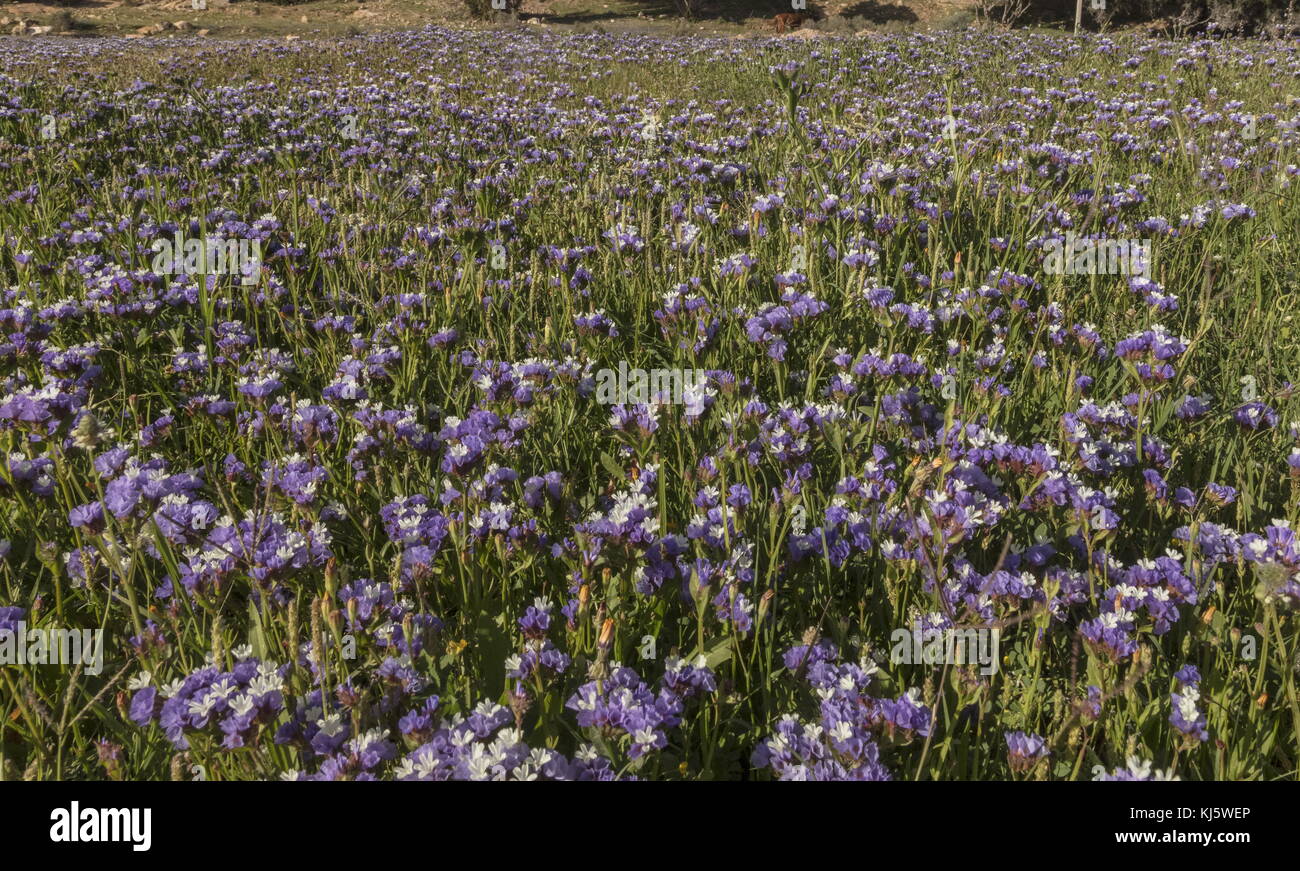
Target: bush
x=1179, y=17
x=959, y=20
x=688, y=8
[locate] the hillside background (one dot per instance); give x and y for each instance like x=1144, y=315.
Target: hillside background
x=250, y=18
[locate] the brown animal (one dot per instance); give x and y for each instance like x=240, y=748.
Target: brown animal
x=790, y=21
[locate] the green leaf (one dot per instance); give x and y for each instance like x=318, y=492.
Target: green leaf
x=256, y=635
x=611, y=465
x=716, y=654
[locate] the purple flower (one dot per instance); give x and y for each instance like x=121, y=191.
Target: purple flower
x=1024, y=750
x=1255, y=415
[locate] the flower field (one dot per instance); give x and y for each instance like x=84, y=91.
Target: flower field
x=470, y=405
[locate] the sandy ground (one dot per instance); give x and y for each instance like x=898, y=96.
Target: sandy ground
x=222, y=18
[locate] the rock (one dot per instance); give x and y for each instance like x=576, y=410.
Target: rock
x=303, y=19
x=364, y=13
x=203, y=32
x=180, y=25
x=40, y=30
x=291, y=37
x=536, y=22
x=150, y=30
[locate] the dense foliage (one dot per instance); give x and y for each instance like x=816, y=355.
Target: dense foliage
x=356, y=508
